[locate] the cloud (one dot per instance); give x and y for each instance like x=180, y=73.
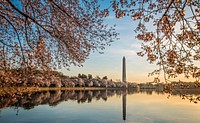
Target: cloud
x=121, y=52
x=129, y=52
x=135, y=45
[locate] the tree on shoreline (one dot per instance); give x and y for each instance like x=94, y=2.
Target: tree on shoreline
x=83, y=76
x=89, y=76
x=105, y=77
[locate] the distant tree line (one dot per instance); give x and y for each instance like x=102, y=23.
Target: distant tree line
x=89, y=76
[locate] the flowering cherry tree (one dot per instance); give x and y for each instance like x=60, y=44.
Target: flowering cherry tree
x=173, y=41
x=49, y=34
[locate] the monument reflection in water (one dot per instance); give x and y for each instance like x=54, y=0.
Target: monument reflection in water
x=124, y=105
x=97, y=106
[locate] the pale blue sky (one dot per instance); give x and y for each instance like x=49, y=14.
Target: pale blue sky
x=110, y=63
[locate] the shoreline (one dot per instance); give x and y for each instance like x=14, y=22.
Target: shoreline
x=14, y=90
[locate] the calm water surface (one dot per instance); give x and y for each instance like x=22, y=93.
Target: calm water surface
x=105, y=106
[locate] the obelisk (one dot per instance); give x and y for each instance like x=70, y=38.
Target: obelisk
x=124, y=69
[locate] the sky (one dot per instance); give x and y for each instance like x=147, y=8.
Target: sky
x=110, y=63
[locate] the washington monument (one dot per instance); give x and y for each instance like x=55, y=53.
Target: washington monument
x=124, y=69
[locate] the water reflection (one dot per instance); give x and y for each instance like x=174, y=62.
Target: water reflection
x=124, y=105
x=53, y=98
x=28, y=101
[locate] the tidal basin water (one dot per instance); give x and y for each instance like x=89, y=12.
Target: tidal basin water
x=105, y=106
